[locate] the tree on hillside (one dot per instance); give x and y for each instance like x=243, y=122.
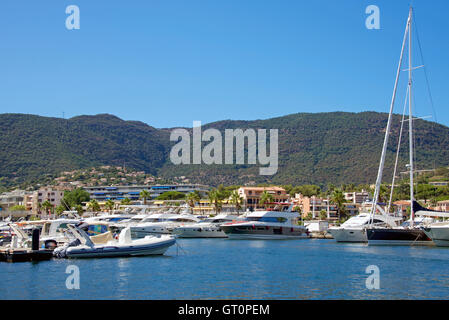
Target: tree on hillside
x=288, y=189
x=307, y=190
x=171, y=195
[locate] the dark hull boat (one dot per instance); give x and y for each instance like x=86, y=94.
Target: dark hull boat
x=397, y=237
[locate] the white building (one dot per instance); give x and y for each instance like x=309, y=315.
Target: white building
x=356, y=197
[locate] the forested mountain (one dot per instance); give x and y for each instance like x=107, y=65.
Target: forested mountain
x=314, y=148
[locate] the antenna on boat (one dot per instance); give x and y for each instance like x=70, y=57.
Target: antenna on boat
x=410, y=122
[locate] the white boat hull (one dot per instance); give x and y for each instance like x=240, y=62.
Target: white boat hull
x=248, y=236
x=348, y=234
x=158, y=248
x=200, y=234
x=439, y=235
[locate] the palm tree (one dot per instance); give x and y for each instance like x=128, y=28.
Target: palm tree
x=266, y=198
x=144, y=194
x=125, y=201
x=47, y=206
x=236, y=200
x=298, y=209
x=338, y=199
x=109, y=204
x=60, y=209
x=215, y=199
x=192, y=198
x=79, y=208
x=383, y=193
x=39, y=207
x=93, y=205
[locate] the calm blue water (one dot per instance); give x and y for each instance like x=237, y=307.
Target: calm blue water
x=240, y=269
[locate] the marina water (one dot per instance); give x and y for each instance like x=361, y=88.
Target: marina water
x=240, y=269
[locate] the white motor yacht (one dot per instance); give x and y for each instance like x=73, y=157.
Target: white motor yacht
x=439, y=233
x=162, y=224
x=208, y=228
x=266, y=225
x=54, y=232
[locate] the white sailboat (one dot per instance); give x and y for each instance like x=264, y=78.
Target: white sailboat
x=409, y=233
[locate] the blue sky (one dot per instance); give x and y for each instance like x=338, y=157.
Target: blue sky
x=169, y=62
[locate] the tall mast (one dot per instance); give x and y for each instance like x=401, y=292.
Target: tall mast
x=387, y=131
x=410, y=116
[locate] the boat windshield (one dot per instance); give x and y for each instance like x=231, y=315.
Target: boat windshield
x=115, y=219
x=267, y=219
x=213, y=220
x=182, y=220
x=154, y=220
x=95, y=229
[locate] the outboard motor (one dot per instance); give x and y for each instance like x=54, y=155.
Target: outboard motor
x=61, y=252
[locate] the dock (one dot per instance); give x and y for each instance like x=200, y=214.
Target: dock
x=320, y=235
x=25, y=255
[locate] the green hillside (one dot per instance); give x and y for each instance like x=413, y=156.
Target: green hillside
x=314, y=148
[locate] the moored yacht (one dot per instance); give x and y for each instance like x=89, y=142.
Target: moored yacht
x=54, y=231
x=354, y=229
x=162, y=224
x=266, y=225
x=437, y=231
x=208, y=228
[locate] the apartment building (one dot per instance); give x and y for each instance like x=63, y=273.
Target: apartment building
x=132, y=192
x=315, y=205
x=12, y=198
x=356, y=197
x=251, y=196
x=51, y=194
